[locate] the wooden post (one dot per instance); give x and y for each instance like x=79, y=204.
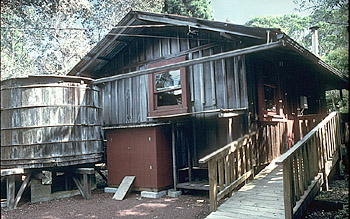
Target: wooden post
x=301, y=171
x=288, y=188
x=307, y=159
x=244, y=159
x=87, y=185
x=227, y=170
x=221, y=174
x=10, y=191
x=325, y=159
x=189, y=159
x=233, y=166
x=251, y=166
x=239, y=162
x=85, y=189
x=174, y=155
x=212, y=170
x=294, y=161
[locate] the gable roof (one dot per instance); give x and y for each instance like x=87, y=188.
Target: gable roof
x=135, y=21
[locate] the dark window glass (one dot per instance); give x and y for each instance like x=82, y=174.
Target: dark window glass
x=270, y=104
x=169, y=98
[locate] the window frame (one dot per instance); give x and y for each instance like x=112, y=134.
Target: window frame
x=154, y=109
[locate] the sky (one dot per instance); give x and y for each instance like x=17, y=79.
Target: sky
x=240, y=11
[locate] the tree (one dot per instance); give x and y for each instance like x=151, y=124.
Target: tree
x=332, y=18
x=51, y=36
x=293, y=25
x=192, y=8
x=14, y=54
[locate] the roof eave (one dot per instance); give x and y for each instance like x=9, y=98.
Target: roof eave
x=291, y=44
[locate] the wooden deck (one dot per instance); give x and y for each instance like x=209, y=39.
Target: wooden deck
x=260, y=198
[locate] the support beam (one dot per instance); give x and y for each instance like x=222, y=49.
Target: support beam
x=186, y=63
x=24, y=185
x=84, y=189
x=174, y=155
x=11, y=191
x=102, y=175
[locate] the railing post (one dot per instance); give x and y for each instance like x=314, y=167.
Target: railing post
x=324, y=154
x=212, y=170
x=288, y=188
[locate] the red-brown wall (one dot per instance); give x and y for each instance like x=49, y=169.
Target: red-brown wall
x=141, y=152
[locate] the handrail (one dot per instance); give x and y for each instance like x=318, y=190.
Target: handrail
x=308, y=164
x=292, y=150
x=219, y=153
x=229, y=166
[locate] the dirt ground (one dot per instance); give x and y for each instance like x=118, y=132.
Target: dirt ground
x=101, y=205
x=327, y=204
x=333, y=203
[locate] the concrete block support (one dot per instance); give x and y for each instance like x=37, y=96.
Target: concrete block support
x=173, y=193
x=110, y=189
x=147, y=194
x=39, y=192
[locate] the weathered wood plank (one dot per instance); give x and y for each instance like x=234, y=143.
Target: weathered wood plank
x=208, y=83
x=8, y=172
x=243, y=82
x=227, y=170
x=254, y=212
x=242, y=198
x=11, y=191
x=221, y=174
x=234, y=185
x=124, y=188
x=212, y=169
x=236, y=82
x=287, y=188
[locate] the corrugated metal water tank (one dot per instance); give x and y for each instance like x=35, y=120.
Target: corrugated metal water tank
x=49, y=121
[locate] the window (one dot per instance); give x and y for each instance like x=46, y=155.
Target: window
x=270, y=100
x=167, y=90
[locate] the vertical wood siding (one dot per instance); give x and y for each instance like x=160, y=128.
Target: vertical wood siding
x=213, y=85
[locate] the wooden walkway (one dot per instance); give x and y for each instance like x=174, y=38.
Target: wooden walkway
x=260, y=198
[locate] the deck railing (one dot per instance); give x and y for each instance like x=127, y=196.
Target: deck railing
x=273, y=141
x=308, y=163
x=307, y=122
x=229, y=167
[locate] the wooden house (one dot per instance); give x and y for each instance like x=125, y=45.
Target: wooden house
x=177, y=88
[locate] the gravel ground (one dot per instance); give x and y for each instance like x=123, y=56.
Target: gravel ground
x=101, y=205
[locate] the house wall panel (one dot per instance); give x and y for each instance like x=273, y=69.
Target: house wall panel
x=213, y=85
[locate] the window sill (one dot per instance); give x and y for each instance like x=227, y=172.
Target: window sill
x=168, y=111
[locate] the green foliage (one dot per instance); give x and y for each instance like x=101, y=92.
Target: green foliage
x=50, y=36
x=14, y=54
x=293, y=25
x=335, y=102
x=192, y=8
x=339, y=58
x=331, y=16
